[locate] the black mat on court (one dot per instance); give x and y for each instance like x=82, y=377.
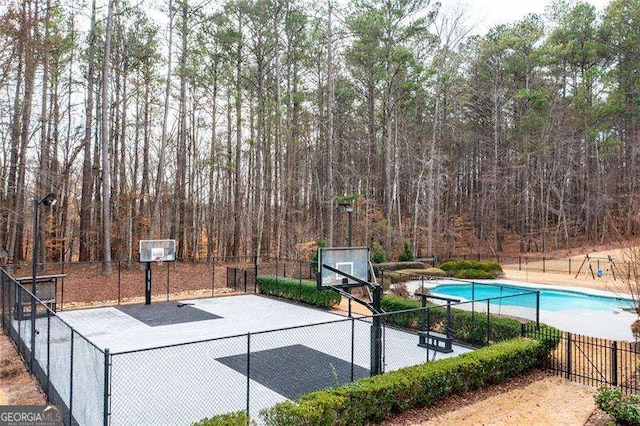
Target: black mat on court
x=166, y=313
x=295, y=370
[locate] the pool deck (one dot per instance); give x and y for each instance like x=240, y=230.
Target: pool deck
x=615, y=325
x=568, y=280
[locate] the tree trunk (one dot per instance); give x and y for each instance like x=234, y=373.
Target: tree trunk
x=104, y=126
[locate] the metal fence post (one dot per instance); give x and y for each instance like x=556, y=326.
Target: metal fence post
x=538, y=310
x=19, y=313
x=544, y=264
x=568, y=363
x=248, y=373
x=473, y=299
x=353, y=344
x=105, y=408
x=213, y=275
x=519, y=263
x=488, y=320
x=62, y=291
x=119, y=285
x=614, y=363
x=71, y=380
x=46, y=391
x=34, y=307
x=569, y=265
x=168, y=287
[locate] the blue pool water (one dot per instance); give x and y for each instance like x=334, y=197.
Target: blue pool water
x=550, y=300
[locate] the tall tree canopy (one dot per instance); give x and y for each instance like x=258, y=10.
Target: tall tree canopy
x=236, y=127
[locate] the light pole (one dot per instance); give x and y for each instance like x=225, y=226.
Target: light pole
x=346, y=205
x=47, y=200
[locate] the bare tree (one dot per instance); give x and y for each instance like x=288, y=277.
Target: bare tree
x=104, y=136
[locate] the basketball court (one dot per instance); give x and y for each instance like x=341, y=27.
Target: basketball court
x=196, y=350
x=177, y=362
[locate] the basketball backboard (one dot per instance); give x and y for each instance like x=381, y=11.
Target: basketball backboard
x=351, y=260
x=157, y=250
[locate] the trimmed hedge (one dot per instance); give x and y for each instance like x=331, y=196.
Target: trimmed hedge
x=468, y=327
x=303, y=291
x=375, y=398
x=470, y=269
x=395, y=266
x=238, y=418
x=624, y=408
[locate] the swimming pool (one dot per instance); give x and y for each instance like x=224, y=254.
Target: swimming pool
x=550, y=299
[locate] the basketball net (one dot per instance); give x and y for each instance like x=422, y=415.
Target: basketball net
x=159, y=261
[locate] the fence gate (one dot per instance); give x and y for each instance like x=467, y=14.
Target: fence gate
x=594, y=361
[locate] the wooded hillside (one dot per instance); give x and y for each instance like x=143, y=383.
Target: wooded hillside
x=234, y=126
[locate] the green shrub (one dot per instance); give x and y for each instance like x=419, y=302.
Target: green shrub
x=393, y=303
x=407, y=254
x=396, y=266
x=471, y=269
x=625, y=409
x=375, y=398
x=377, y=253
x=469, y=327
x=299, y=290
x=239, y=418
x=474, y=274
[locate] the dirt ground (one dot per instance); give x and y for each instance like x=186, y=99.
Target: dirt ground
x=534, y=399
x=17, y=387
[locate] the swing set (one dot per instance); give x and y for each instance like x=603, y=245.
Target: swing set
x=588, y=263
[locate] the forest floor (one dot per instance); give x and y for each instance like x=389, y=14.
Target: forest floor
x=536, y=398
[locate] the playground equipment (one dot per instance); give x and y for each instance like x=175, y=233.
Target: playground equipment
x=588, y=265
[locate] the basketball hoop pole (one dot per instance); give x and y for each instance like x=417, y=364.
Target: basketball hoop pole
x=376, y=333
x=147, y=283
x=376, y=310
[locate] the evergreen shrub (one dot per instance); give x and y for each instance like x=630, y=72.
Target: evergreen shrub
x=375, y=398
x=303, y=291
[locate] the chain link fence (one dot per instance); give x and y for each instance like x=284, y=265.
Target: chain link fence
x=250, y=372
x=183, y=279
x=253, y=371
x=71, y=370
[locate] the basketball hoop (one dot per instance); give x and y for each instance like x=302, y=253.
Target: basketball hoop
x=159, y=261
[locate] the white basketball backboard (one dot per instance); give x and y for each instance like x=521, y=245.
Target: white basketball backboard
x=350, y=260
x=157, y=250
